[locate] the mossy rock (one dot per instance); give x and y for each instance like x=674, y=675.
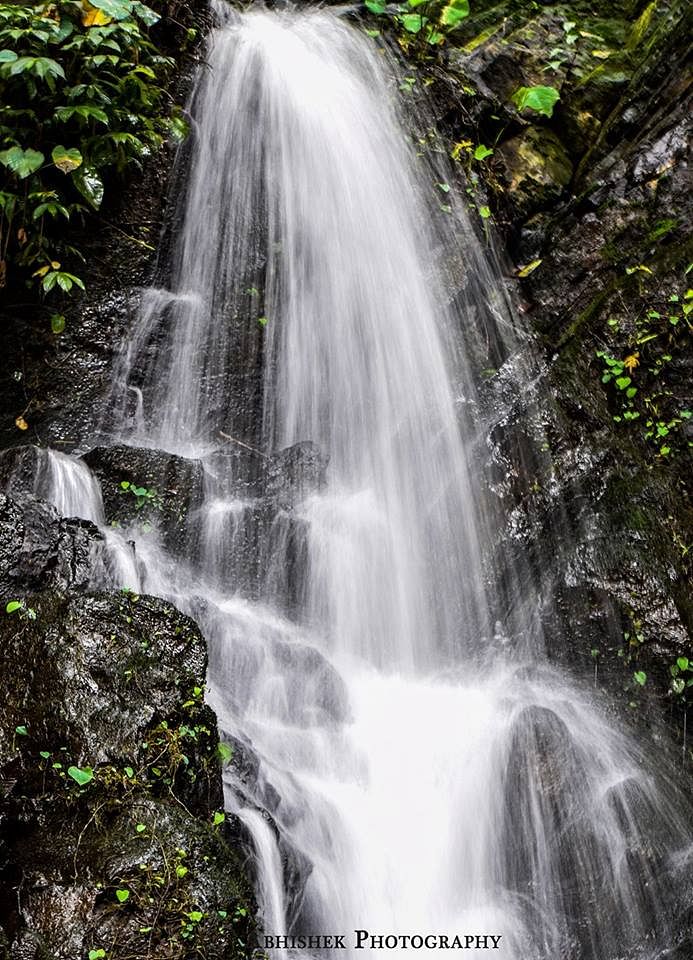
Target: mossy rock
x=537, y=169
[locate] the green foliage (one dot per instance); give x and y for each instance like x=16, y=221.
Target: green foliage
x=428, y=20
x=82, y=100
x=649, y=345
x=680, y=684
x=540, y=99
x=143, y=495
x=19, y=607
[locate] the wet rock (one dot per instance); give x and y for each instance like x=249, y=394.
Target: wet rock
x=294, y=473
x=39, y=550
x=111, y=782
x=171, y=488
x=537, y=169
x=19, y=469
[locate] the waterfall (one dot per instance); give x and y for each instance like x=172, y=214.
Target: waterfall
x=422, y=769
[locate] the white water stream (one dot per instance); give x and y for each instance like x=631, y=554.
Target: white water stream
x=431, y=778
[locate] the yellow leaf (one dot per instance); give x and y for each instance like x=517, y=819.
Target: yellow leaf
x=631, y=362
x=21, y=423
x=42, y=271
x=525, y=271
x=601, y=54
x=92, y=16
x=55, y=264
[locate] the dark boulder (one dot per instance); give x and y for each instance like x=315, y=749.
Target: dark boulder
x=111, y=784
x=39, y=550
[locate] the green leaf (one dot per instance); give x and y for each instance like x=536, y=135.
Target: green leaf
x=375, y=6
x=195, y=916
x=682, y=663
x=115, y=9
x=21, y=162
x=224, y=752
x=145, y=14
x=482, y=151
x=219, y=818
x=412, y=22
x=122, y=895
x=42, y=67
x=90, y=185
x=81, y=775
x=640, y=677
x=57, y=323
x=22, y=731
x=540, y=99
x=454, y=12
x=484, y=212
x=97, y=954
x=141, y=827
x=66, y=159
x=7, y=56
x=13, y=606
x=86, y=111
x=623, y=382
x=179, y=127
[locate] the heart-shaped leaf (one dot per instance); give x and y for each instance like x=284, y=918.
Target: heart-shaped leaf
x=21, y=162
x=81, y=775
x=66, y=159
x=540, y=99
x=122, y=895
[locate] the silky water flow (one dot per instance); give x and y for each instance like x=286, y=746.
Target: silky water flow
x=425, y=771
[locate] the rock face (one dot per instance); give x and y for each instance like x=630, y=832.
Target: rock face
x=147, y=487
x=112, y=835
x=592, y=205
x=39, y=550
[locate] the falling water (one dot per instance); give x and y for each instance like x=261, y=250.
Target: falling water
x=426, y=771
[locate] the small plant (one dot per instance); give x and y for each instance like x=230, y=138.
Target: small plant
x=681, y=677
x=430, y=20
x=143, y=495
x=539, y=99
x=637, y=377
x=19, y=607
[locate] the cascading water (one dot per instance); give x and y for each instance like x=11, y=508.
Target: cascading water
x=430, y=772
